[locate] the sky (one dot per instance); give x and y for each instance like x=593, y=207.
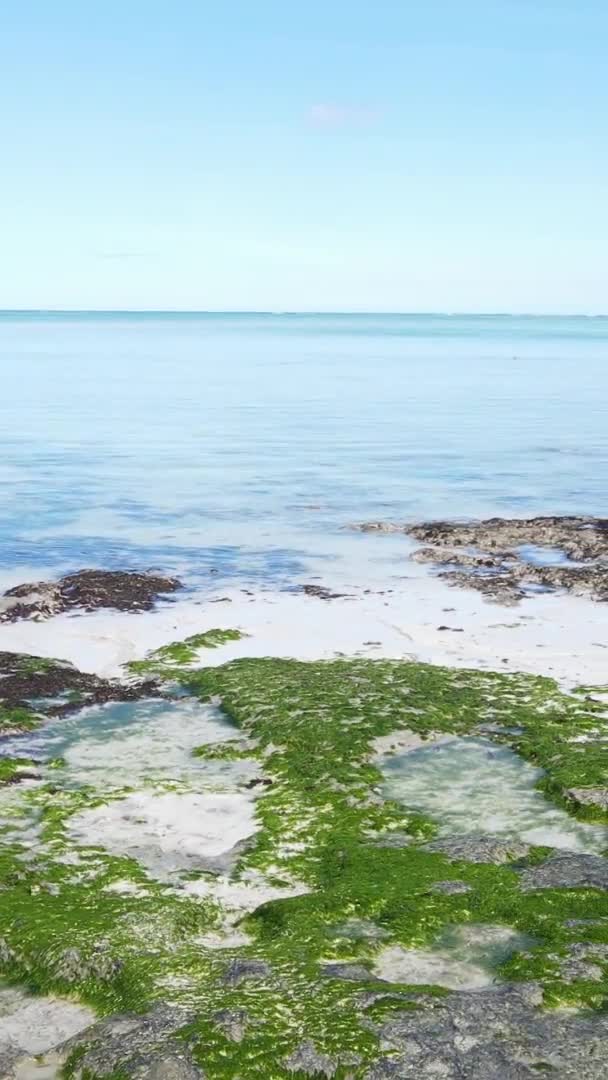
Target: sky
x=446, y=155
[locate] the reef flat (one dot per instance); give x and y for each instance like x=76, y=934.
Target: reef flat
x=255, y=870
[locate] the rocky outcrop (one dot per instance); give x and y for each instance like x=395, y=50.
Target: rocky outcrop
x=490, y=556
x=500, y=1032
x=86, y=590
x=34, y=687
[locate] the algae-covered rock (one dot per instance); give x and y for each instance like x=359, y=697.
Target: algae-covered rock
x=35, y=687
x=89, y=590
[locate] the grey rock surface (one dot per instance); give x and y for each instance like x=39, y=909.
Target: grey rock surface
x=496, y=1034
x=232, y=1022
x=308, y=1060
x=143, y=1047
x=480, y=849
x=350, y=972
x=567, y=871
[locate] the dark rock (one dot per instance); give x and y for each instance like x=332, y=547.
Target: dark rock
x=489, y=556
x=321, y=592
x=480, y=849
x=567, y=871
x=451, y=888
x=496, y=1034
x=239, y=971
x=46, y=687
x=88, y=590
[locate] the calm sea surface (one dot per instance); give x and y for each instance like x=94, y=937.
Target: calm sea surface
x=243, y=444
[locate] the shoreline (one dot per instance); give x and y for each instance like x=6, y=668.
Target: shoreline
x=420, y=619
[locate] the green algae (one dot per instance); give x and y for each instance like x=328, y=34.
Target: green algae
x=169, y=659
x=12, y=769
x=323, y=823
x=18, y=718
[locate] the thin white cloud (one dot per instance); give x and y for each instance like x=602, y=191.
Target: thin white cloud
x=333, y=115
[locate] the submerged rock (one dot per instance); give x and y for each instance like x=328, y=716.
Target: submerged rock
x=480, y=849
x=122, y=590
x=490, y=1034
x=33, y=1025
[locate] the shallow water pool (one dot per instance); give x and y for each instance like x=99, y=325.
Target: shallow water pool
x=127, y=742
x=473, y=785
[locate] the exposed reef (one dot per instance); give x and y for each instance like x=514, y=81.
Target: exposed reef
x=295, y=941
x=86, y=590
x=506, y=559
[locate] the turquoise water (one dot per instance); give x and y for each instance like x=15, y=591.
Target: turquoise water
x=243, y=444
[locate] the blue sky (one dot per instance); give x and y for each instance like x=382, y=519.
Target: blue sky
x=448, y=155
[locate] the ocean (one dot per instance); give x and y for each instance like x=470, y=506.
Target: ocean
x=239, y=447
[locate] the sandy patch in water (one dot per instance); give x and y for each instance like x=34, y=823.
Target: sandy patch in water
x=36, y=1024
x=168, y=832
x=465, y=958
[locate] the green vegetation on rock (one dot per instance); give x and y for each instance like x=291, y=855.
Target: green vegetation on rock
x=354, y=862
x=167, y=661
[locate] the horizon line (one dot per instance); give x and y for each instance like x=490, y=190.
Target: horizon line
x=307, y=312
